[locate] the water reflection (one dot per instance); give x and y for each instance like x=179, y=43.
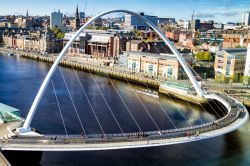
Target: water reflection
x=19, y=83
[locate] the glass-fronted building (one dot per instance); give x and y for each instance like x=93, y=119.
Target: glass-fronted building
x=9, y=114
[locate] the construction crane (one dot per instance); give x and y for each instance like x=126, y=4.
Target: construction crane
x=192, y=16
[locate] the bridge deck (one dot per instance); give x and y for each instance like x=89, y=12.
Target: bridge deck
x=77, y=143
x=234, y=119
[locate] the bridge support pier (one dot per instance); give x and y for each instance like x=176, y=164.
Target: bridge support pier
x=23, y=130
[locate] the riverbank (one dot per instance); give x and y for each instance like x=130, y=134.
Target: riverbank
x=112, y=72
x=101, y=70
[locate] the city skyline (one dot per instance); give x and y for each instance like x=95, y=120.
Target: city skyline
x=218, y=10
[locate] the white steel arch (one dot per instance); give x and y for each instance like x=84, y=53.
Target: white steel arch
x=26, y=126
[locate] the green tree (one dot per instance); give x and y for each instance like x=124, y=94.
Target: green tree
x=137, y=33
x=220, y=78
x=204, y=56
x=58, y=33
x=237, y=46
x=246, y=80
x=199, y=55
x=208, y=56
x=233, y=78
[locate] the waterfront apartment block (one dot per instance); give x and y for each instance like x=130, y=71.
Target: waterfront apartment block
x=230, y=62
x=40, y=44
x=165, y=66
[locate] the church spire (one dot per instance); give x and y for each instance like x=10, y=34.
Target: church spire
x=77, y=13
x=27, y=14
x=77, y=19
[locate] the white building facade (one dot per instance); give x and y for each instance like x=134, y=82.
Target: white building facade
x=247, y=65
x=246, y=18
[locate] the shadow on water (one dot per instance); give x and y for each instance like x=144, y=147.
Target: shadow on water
x=213, y=151
x=182, y=154
x=21, y=158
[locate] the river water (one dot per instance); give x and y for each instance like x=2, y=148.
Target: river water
x=21, y=78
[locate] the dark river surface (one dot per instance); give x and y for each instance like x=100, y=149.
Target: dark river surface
x=21, y=78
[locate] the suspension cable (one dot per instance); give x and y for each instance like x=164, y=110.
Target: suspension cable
x=203, y=81
x=161, y=108
x=199, y=77
x=124, y=103
x=59, y=107
x=170, y=96
x=143, y=105
x=71, y=98
x=91, y=106
x=110, y=110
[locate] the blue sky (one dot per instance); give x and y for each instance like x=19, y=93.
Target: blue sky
x=219, y=10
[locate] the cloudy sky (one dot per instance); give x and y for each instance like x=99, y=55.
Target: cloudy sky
x=219, y=10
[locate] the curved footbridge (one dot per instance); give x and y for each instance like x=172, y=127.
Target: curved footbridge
x=236, y=116
x=23, y=138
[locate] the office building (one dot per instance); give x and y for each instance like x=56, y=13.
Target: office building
x=195, y=24
x=56, y=19
x=230, y=62
x=165, y=66
x=81, y=16
x=246, y=18
x=133, y=22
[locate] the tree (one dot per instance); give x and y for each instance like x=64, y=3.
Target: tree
x=208, y=56
x=237, y=46
x=199, y=55
x=101, y=28
x=137, y=33
x=204, y=56
x=246, y=80
x=234, y=78
x=58, y=33
x=220, y=78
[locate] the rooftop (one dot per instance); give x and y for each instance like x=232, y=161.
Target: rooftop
x=237, y=51
x=151, y=55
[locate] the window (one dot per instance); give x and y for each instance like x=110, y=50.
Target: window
x=170, y=72
x=133, y=66
x=150, y=69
